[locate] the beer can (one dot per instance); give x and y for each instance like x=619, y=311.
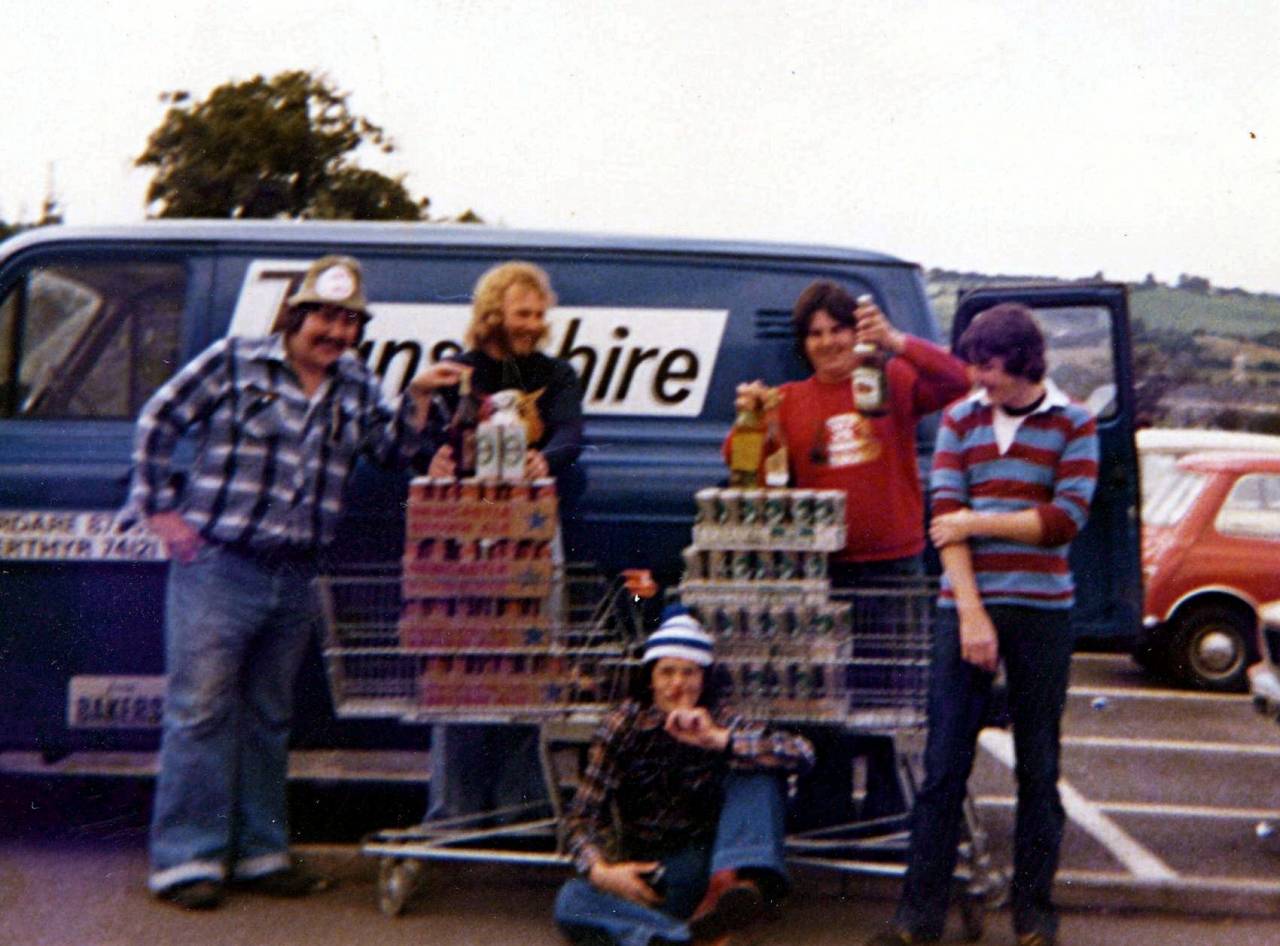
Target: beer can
x=813, y=564
x=803, y=507
x=822, y=622
x=764, y=569
x=488, y=451
x=766, y=623
x=723, y=622
x=786, y=566
x=771, y=683
x=512, y=451
x=776, y=502
x=743, y=564
x=728, y=508
x=717, y=565
x=706, y=501
x=824, y=508
x=751, y=507
x=695, y=563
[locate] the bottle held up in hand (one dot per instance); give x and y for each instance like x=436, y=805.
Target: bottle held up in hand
x=746, y=445
x=462, y=429
x=870, y=384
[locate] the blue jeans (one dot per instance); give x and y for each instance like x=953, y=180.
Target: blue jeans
x=477, y=768
x=749, y=835
x=1035, y=645
x=236, y=630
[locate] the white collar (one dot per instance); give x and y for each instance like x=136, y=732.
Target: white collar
x=1053, y=397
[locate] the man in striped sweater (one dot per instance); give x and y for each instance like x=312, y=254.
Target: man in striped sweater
x=1013, y=475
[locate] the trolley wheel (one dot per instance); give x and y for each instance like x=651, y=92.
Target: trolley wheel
x=397, y=882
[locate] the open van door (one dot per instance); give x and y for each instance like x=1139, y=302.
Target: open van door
x=1086, y=330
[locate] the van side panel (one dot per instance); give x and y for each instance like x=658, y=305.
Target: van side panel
x=660, y=340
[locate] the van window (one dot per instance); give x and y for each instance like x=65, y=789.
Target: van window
x=1252, y=508
x=1079, y=354
x=1170, y=501
x=89, y=340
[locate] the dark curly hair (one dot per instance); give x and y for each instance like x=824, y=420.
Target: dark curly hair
x=1007, y=331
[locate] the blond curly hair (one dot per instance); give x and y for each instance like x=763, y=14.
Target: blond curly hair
x=486, y=300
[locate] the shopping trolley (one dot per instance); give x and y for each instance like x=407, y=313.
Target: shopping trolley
x=541, y=644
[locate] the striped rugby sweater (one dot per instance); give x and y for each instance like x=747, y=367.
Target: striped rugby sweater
x=1051, y=466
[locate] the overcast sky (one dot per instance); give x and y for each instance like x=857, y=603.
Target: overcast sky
x=1007, y=137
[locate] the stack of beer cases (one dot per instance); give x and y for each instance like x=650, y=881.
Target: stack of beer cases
x=477, y=589
x=756, y=576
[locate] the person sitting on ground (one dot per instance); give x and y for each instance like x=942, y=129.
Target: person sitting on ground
x=696, y=848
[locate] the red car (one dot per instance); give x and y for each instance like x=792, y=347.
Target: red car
x=1211, y=559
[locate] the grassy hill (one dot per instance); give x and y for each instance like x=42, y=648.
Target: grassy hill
x=1157, y=307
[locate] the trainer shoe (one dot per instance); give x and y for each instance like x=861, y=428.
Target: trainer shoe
x=193, y=895
x=292, y=881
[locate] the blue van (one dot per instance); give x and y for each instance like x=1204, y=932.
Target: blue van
x=660, y=331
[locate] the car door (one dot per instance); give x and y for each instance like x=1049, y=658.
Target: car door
x=1086, y=330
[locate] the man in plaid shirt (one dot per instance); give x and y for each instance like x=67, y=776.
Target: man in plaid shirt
x=696, y=847
x=278, y=424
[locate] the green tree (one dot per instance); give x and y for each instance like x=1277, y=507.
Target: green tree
x=279, y=147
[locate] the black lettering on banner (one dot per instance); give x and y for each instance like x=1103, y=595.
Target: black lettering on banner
x=610, y=363
x=390, y=350
x=83, y=707
x=586, y=352
x=633, y=362
x=667, y=371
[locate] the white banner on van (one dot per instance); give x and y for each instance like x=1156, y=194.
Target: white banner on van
x=651, y=362
x=37, y=535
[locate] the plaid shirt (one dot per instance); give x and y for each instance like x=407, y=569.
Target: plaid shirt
x=667, y=794
x=270, y=465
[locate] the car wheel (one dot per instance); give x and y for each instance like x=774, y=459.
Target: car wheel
x=1213, y=648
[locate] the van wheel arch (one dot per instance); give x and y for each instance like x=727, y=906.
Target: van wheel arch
x=1213, y=644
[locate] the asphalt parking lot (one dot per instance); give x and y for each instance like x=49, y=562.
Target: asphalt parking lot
x=1165, y=791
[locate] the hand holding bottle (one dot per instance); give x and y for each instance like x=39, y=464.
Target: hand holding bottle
x=875, y=329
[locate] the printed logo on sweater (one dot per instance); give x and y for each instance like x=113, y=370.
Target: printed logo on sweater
x=851, y=440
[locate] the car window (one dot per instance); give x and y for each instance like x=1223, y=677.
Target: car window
x=1252, y=508
x=1171, y=499
x=89, y=340
x=1080, y=356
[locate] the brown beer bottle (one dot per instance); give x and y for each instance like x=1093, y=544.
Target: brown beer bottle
x=870, y=385
x=462, y=429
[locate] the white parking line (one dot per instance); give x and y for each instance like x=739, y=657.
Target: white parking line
x=1155, y=693
x=1269, y=750
x=1152, y=808
x=1136, y=859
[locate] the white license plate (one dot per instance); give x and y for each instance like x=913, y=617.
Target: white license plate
x=115, y=702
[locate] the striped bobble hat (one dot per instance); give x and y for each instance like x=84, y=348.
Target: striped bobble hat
x=679, y=635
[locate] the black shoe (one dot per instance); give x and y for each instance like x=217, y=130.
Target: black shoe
x=734, y=907
x=291, y=881
x=193, y=895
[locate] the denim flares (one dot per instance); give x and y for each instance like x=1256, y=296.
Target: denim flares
x=236, y=629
